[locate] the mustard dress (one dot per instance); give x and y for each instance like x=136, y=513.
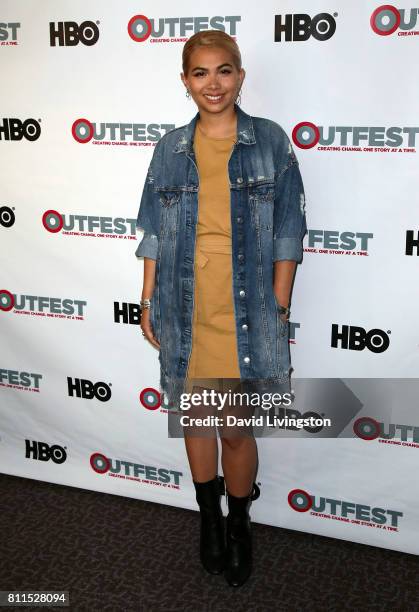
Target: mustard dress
x=214, y=356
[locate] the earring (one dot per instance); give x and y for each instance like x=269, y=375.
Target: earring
x=239, y=98
x=188, y=94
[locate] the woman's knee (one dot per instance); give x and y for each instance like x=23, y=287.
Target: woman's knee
x=235, y=442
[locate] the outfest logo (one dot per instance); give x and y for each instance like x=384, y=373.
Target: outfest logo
x=336, y=242
x=129, y=470
x=293, y=326
x=369, y=429
x=89, y=225
x=366, y=139
x=20, y=380
x=344, y=511
x=387, y=19
x=8, y=34
x=42, y=306
x=178, y=29
x=120, y=134
x=152, y=399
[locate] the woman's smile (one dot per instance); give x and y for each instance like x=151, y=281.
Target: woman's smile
x=213, y=99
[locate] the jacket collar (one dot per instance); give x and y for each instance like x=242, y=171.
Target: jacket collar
x=245, y=132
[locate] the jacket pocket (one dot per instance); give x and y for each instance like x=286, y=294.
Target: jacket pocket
x=169, y=200
x=261, y=201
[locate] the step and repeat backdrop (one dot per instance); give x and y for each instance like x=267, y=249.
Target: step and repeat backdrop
x=88, y=89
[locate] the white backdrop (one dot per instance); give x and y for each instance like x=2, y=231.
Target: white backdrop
x=69, y=297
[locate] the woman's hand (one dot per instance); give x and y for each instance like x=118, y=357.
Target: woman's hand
x=147, y=329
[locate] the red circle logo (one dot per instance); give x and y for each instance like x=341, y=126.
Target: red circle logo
x=386, y=11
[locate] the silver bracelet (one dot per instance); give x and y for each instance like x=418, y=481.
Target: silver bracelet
x=284, y=310
x=144, y=304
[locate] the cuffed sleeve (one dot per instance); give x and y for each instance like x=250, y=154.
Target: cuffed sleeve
x=148, y=218
x=289, y=214
x=148, y=246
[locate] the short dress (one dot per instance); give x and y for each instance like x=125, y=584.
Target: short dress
x=214, y=355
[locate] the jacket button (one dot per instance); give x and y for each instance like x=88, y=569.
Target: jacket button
x=240, y=180
x=244, y=326
x=246, y=359
x=242, y=293
x=240, y=257
x=239, y=219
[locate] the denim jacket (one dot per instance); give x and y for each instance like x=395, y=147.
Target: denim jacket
x=267, y=223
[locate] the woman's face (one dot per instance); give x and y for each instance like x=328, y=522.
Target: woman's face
x=213, y=79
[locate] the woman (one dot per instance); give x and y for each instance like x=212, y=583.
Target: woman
x=223, y=217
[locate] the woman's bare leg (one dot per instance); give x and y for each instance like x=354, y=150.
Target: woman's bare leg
x=239, y=461
x=201, y=441
x=239, y=450
x=203, y=457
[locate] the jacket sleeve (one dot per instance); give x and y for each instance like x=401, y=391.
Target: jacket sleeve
x=289, y=210
x=148, y=218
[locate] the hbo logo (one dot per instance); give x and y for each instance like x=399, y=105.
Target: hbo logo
x=43, y=452
x=357, y=338
x=7, y=216
x=15, y=129
x=69, y=33
x=301, y=27
x=87, y=390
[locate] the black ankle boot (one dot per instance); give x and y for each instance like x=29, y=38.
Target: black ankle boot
x=212, y=537
x=239, y=538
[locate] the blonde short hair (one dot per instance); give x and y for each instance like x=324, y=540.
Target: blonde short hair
x=210, y=38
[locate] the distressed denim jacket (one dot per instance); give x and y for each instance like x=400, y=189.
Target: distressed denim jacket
x=268, y=224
